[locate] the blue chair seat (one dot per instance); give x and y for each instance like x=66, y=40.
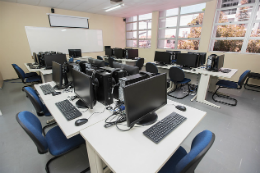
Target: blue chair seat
x=33, y=79
x=169, y=167
x=227, y=84
x=59, y=144
x=184, y=81
x=31, y=74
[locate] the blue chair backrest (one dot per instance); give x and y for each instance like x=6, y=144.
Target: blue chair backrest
x=243, y=77
x=20, y=71
x=71, y=60
x=140, y=63
x=176, y=74
x=199, y=147
x=37, y=103
x=151, y=67
x=32, y=126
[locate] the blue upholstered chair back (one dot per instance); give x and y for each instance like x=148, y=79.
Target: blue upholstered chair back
x=32, y=126
x=151, y=67
x=20, y=72
x=14, y=65
x=71, y=60
x=140, y=63
x=37, y=103
x=242, y=78
x=100, y=58
x=176, y=74
x=199, y=147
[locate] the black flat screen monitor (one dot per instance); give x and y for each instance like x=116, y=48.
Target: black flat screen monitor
x=132, y=53
x=202, y=57
x=59, y=58
x=187, y=60
x=119, y=53
x=162, y=57
x=220, y=61
x=96, y=62
x=174, y=54
x=75, y=53
x=57, y=74
x=83, y=88
x=143, y=98
x=131, y=70
x=35, y=58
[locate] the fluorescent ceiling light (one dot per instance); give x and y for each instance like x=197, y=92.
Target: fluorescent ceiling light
x=115, y=7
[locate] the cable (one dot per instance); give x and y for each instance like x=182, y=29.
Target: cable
x=96, y=113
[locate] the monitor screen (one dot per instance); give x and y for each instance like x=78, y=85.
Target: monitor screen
x=75, y=53
x=220, y=61
x=162, y=57
x=83, y=88
x=202, y=57
x=59, y=58
x=187, y=60
x=35, y=58
x=141, y=100
x=132, y=53
x=119, y=53
x=57, y=74
x=131, y=70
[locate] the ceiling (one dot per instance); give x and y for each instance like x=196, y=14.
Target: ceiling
x=131, y=7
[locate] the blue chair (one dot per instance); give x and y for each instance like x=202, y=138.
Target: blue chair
x=177, y=76
x=71, y=60
x=140, y=63
x=27, y=75
x=40, y=108
x=183, y=162
x=151, y=67
x=55, y=142
x=29, y=80
x=230, y=85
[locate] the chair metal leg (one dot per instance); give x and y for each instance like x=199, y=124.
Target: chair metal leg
x=246, y=85
x=223, y=96
x=45, y=127
x=179, y=97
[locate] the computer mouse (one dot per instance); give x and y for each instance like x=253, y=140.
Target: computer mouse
x=181, y=108
x=80, y=122
x=194, y=69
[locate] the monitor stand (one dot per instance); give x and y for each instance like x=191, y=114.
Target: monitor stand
x=149, y=119
x=162, y=64
x=81, y=104
x=56, y=87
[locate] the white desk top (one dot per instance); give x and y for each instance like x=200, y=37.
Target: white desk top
x=131, y=151
x=126, y=60
x=42, y=70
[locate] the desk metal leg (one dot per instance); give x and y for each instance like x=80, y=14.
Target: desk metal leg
x=193, y=98
x=202, y=90
x=1, y=113
x=95, y=163
x=171, y=88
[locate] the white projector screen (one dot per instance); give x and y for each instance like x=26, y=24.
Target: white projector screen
x=43, y=39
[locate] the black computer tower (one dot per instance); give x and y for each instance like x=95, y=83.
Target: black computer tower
x=104, y=89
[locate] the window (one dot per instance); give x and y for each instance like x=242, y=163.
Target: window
x=237, y=27
x=138, y=31
x=182, y=26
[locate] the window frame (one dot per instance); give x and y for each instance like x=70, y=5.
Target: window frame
x=178, y=27
x=250, y=24
x=139, y=30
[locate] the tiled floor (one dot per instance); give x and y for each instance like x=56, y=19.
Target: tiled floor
x=236, y=148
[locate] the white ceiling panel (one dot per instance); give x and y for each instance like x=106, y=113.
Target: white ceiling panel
x=89, y=4
x=29, y=2
x=9, y=0
x=50, y=3
x=70, y=4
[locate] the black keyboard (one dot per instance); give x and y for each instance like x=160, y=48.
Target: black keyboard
x=160, y=130
x=68, y=110
x=29, y=64
x=47, y=89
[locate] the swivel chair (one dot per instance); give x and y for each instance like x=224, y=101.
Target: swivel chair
x=40, y=108
x=55, y=142
x=151, y=67
x=230, y=85
x=140, y=63
x=26, y=74
x=183, y=162
x=177, y=76
x=29, y=80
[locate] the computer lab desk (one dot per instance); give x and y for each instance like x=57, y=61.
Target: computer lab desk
x=206, y=82
x=46, y=75
x=131, y=151
x=68, y=127
x=124, y=61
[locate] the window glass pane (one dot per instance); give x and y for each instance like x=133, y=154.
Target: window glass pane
x=144, y=43
x=166, y=44
x=145, y=34
x=188, y=44
x=145, y=16
x=131, y=19
x=228, y=45
x=167, y=33
x=235, y=15
x=231, y=3
x=253, y=46
x=231, y=30
x=131, y=43
x=193, y=19
x=170, y=12
x=193, y=32
x=131, y=35
x=131, y=26
x=255, y=30
x=193, y=8
x=145, y=24
x=258, y=14
x=168, y=22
